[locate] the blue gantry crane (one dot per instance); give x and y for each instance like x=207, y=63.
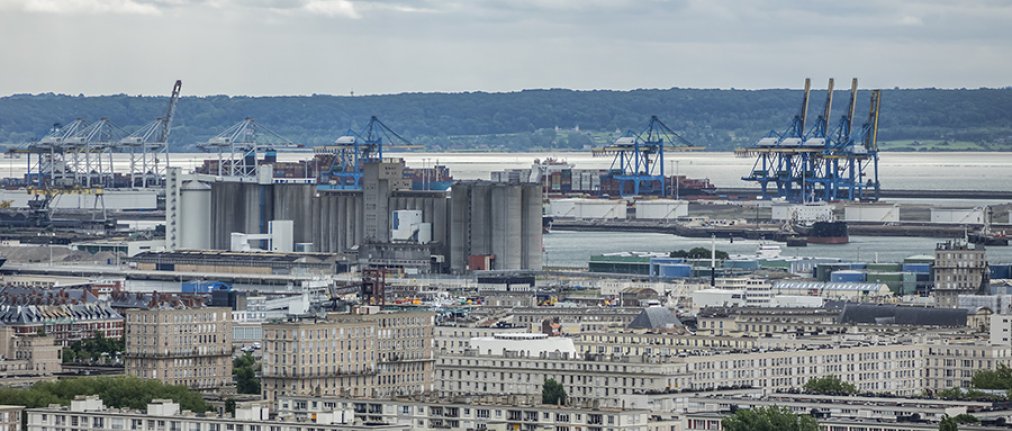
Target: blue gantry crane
x=351, y=151
x=637, y=166
x=820, y=163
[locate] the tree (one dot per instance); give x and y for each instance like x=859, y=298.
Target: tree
x=699, y=253
x=230, y=405
x=121, y=392
x=553, y=393
x=948, y=424
x=769, y=419
x=244, y=371
x=1000, y=378
x=829, y=385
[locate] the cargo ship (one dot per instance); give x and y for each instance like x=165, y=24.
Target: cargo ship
x=825, y=232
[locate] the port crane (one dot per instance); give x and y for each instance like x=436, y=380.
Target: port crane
x=239, y=148
x=638, y=158
x=148, y=146
x=351, y=151
x=820, y=163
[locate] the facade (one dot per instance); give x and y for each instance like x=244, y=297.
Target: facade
x=28, y=355
x=503, y=413
x=370, y=353
x=90, y=414
x=533, y=316
x=10, y=418
x=179, y=344
x=959, y=269
x=67, y=323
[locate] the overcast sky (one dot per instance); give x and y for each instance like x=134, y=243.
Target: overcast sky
x=275, y=47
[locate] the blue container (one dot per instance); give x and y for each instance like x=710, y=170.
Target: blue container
x=674, y=270
x=922, y=268
x=1001, y=271
x=847, y=276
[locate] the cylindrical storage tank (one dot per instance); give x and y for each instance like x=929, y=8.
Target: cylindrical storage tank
x=195, y=216
x=480, y=231
x=847, y=276
x=674, y=270
x=533, y=227
x=460, y=212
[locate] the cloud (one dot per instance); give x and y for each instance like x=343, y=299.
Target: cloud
x=83, y=6
x=332, y=8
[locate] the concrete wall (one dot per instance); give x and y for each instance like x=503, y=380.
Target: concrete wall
x=958, y=215
x=601, y=209
x=661, y=209
x=872, y=213
x=114, y=200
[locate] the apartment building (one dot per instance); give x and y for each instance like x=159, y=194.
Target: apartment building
x=529, y=316
x=508, y=413
x=67, y=323
x=180, y=342
x=91, y=414
x=10, y=418
x=28, y=355
x=959, y=269
x=365, y=353
x=610, y=368
x=952, y=363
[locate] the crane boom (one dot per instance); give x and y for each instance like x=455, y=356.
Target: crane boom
x=163, y=137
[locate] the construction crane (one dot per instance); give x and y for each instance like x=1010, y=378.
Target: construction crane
x=637, y=165
x=149, y=146
x=352, y=150
x=240, y=146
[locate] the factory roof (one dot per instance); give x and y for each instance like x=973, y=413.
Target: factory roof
x=655, y=318
x=903, y=315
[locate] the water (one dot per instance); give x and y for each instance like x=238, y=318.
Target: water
x=942, y=171
x=573, y=249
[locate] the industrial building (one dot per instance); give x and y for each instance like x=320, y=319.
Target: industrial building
x=477, y=225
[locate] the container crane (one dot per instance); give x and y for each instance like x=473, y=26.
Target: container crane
x=149, y=146
x=820, y=163
x=352, y=150
x=637, y=165
x=239, y=148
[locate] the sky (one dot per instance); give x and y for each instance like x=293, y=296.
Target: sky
x=343, y=47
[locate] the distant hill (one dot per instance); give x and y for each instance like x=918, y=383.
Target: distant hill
x=921, y=119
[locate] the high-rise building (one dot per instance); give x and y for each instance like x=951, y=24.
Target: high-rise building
x=366, y=353
x=180, y=343
x=959, y=269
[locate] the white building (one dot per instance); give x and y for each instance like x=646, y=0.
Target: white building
x=525, y=344
x=91, y=414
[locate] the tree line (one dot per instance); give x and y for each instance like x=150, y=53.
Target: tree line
x=554, y=119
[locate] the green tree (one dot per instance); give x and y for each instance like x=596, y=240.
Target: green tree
x=1000, y=378
x=244, y=371
x=120, y=391
x=964, y=418
x=230, y=405
x=829, y=385
x=699, y=253
x=948, y=424
x=553, y=393
x=769, y=419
